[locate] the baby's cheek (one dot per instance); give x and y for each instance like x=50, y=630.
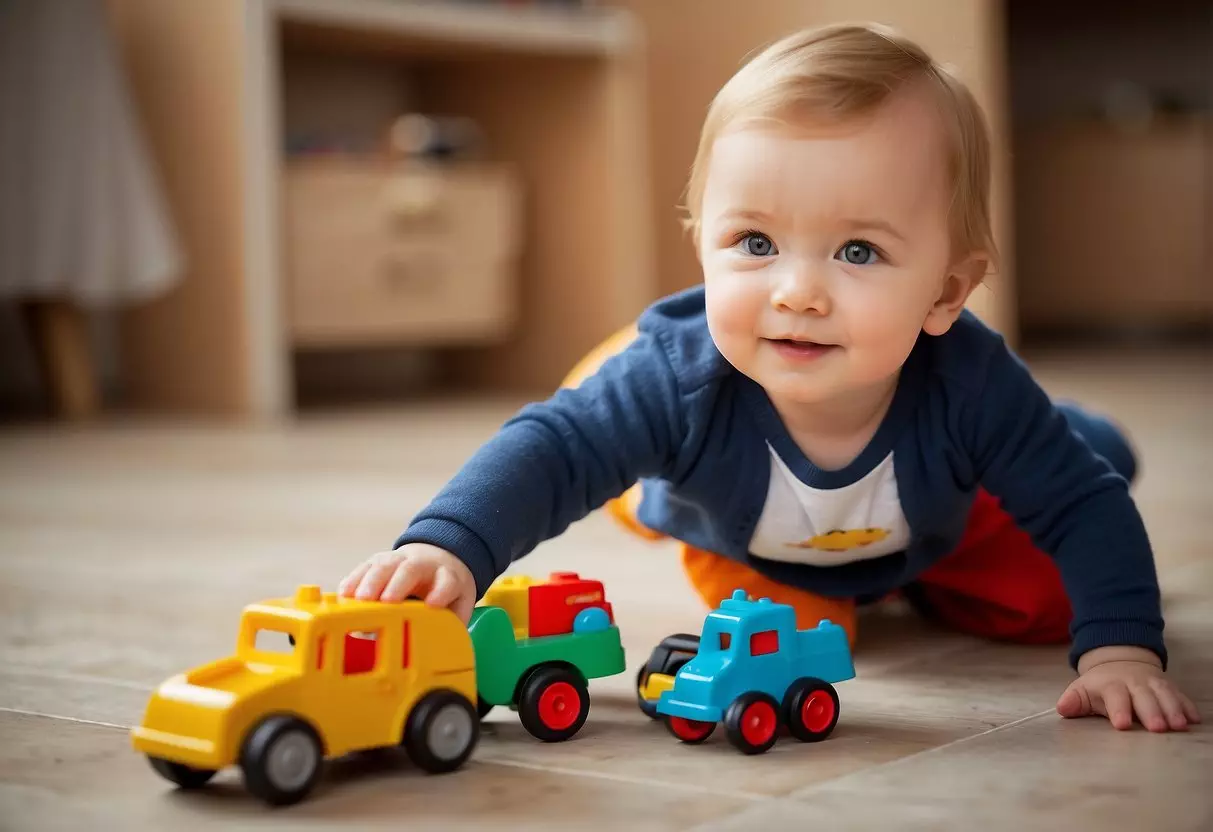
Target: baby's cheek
x=885, y=334
x=732, y=321
x=732, y=306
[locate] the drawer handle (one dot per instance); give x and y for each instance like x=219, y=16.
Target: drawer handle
x=402, y=275
x=414, y=204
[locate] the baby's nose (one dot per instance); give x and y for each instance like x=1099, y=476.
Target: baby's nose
x=802, y=288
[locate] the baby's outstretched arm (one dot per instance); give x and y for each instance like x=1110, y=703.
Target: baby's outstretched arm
x=1120, y=682
x=548, y=466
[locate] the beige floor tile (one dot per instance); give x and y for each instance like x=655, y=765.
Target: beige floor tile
x=60, y=775
x=1045, y=773
x=127, y=551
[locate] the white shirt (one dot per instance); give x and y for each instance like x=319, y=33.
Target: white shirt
x=830, y=526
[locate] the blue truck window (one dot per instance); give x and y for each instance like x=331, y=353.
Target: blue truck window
x=725, y=641
x=763, y=643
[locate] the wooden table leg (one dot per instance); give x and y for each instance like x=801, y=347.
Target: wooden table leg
x=61, y=339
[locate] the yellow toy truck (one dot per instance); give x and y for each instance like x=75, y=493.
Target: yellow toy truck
x=316, y=677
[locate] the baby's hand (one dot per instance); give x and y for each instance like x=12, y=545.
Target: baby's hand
x=1120, y=682
x=415, y=569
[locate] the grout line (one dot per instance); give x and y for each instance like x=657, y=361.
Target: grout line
x=77, y=677
x=623, y=778
x=918, y=755
x=62, y=718
x=797, y=797
x=571, y=772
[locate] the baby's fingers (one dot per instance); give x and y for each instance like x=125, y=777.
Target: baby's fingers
x=408, y=575
x=1190, y=710
x=374, y=580
x=350, y=583
x=1179, y=709
x=1114, y=703
x=1149, y=713
x=463, y=607
x=447, y=592
x=445, y=589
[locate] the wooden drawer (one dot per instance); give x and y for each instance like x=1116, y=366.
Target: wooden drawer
x=379, y=255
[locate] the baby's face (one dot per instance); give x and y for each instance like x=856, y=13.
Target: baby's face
x=825, y=248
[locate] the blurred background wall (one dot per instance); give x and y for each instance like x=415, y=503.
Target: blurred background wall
x=1111, y=111
x=380, y=198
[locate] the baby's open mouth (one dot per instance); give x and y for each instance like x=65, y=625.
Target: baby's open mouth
x=796, y=348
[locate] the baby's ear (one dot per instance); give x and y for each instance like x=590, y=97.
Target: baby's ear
x=963, y=277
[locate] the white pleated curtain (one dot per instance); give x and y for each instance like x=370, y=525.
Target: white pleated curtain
x=81, y=214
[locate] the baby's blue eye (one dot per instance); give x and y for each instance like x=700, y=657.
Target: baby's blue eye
x=757, y=245
x=858, y=253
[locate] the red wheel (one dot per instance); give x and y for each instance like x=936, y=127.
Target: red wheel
x=758, y=723
x=752, y=722
x=559, y=705
x=690, y=731
x=811, y=709
x=817, y=711
x=553, y=703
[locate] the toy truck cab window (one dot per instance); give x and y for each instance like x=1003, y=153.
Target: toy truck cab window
x=719, y=635
x=273, y=641
x=764, y=643
x=362, y=653
x=270, y=640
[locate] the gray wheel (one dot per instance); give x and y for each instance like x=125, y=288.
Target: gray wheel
x=281, y=759
x=441, y=732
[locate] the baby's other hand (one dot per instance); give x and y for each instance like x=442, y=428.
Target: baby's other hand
x=415, y=569
x=1121, y=682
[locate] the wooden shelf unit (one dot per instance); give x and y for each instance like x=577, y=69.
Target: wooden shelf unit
x=558, y=94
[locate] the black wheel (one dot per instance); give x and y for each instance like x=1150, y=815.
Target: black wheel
x=441, y=732
x=647, y=708
x=483, y=708
x=553, y=703
x=281, y=760
x=187, y=777
x=752, y=722
x=667, y=657
x=810, y=709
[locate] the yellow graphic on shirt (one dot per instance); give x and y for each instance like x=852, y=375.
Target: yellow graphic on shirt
x=839, y=540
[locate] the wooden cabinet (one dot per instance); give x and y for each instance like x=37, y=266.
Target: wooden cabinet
x=524, y=295
x=1112, y=228
x=377, y=254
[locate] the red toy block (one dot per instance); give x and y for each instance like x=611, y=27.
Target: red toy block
x=555, y=603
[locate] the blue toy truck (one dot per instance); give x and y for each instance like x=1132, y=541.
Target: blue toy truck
x=755, y=672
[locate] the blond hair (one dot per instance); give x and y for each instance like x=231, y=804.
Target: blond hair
x=843, y=72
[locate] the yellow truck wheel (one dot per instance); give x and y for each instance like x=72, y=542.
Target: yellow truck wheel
x=441, y=732
x=281, y=760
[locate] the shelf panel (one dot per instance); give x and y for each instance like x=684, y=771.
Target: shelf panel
x=459, y=27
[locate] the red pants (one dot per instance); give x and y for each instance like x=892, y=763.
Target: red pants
x=996, y=584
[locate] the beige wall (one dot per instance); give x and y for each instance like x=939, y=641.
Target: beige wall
x=686, y=66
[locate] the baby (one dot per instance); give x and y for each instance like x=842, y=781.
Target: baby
x=822, y=421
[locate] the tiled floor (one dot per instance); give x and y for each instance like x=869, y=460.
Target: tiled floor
x=127, y=550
